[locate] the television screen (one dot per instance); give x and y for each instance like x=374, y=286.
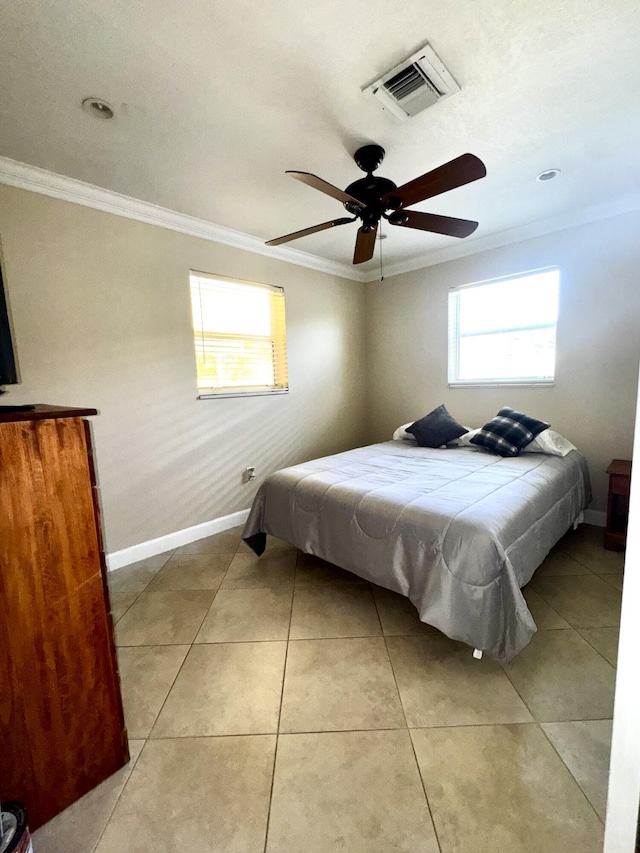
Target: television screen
x=8, y=372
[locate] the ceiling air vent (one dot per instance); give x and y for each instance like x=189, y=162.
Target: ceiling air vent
x=413, y=85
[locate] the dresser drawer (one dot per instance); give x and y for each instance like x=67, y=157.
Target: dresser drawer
x=619, y=485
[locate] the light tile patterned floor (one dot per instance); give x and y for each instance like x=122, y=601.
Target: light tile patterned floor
x=283, y=705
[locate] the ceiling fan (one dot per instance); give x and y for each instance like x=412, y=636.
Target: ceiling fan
x=373, y=198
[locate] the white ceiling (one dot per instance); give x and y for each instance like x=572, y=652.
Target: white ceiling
x=215, y=100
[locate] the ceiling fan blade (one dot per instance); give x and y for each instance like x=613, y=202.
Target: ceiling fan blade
x=448, y=225
x=318, y=184
x=455, y=173
x=365, y=244
x=305, y=231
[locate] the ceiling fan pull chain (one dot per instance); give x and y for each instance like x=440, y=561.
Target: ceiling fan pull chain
x=380, y=241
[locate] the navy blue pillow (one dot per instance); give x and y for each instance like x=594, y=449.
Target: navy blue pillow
x=509, y=432
x=436, y=428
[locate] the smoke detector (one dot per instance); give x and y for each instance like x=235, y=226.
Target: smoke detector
x=413, y=85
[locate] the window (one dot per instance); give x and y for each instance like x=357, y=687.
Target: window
x=504, y=331
x=240, y=337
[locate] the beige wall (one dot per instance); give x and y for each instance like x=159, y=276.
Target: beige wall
x=598, y=344
x=101, y=315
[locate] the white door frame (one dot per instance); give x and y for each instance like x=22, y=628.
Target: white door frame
x=624, y=772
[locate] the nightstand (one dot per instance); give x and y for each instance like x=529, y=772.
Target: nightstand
x=615, y=533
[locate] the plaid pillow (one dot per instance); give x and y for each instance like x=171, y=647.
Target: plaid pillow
x=509, y=432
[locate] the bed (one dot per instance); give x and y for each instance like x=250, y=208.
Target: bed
x=459, y=531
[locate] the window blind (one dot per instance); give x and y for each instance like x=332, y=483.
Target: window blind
x=504, y=331
x=239, y=336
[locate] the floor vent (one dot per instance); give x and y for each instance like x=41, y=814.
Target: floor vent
x=413, y=85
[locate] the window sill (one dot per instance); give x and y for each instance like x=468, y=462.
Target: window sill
x=243, y=394
x=529, y=384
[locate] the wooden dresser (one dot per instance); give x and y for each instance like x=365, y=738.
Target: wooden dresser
x=61, y=722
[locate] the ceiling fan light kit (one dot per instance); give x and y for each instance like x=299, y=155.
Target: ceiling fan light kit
x=373, y=198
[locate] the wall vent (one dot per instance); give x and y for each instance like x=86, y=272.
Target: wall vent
x=413, y=85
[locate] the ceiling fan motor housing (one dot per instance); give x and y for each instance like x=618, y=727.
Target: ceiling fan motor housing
x=370, y=190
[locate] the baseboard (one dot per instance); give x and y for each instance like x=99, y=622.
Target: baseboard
x=126, y=556
x=593, y=516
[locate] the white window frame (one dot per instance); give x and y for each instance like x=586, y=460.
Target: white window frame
x=454, y=335
x=277, y=339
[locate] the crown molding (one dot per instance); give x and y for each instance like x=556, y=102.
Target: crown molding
x=32, y=178
x=595, y=213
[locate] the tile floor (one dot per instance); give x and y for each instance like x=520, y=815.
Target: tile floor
x=283, y=705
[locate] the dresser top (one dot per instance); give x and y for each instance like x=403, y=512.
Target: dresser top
x=44, y=411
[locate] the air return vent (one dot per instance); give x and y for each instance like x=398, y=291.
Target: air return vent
x=413, y=85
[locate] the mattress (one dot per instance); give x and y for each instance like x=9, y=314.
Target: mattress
x=458, y=531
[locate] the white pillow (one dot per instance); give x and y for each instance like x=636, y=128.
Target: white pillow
x=401, y=433
x=465, y=440
x=549, y=442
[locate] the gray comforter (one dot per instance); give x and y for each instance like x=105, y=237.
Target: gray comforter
x=458, y=531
